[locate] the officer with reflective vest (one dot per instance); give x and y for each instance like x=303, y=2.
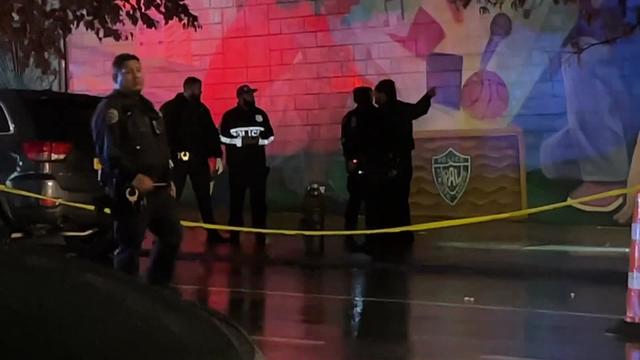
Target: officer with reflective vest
x=245, y=131
x=195, y=147
x=131, y=143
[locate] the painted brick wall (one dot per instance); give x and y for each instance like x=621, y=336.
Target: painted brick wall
x=306, y=56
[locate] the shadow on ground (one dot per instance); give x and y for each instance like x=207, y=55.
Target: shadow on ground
x=57, y=307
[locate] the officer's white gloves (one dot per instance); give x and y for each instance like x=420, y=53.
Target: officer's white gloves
x=219, y=166
x=172, y=190
x=216, y=166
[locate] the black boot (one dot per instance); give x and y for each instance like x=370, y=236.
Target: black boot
x=214, y=237
x=351, y=245
x=261, y=242
x=234, y=239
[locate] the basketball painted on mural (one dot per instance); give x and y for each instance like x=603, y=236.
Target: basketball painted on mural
x=485, y=95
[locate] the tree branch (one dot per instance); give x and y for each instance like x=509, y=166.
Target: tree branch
x=36, y=30
x=628, y=32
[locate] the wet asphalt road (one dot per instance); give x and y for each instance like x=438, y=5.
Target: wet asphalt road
x=369, y=310
x=546, y=305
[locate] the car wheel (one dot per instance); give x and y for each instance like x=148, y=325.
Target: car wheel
x=8, y=226
x=5, y=233
x=98, y=246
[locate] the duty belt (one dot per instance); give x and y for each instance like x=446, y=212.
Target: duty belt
x=184, y=155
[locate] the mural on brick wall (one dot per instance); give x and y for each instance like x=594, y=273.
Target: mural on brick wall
x=495, y=73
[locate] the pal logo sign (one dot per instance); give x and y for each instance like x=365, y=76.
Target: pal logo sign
x=451, y=173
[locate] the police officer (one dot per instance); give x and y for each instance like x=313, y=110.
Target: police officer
x=356, y=126
x=397, y=135
x=245, y=130
x=195, y=147
x=131, y=143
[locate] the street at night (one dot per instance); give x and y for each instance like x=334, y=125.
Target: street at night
x=489, y=304
x=320, y=179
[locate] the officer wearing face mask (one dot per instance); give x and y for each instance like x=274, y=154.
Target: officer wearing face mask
x=245, y=131
x=195, y=147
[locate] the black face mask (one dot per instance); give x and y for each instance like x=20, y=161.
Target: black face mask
x=251, y=104
x=195, y=98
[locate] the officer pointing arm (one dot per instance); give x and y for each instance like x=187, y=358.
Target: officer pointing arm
x=421, y=108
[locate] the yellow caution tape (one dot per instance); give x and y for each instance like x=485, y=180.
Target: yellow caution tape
x=412, y=228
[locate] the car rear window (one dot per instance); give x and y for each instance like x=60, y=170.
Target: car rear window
x=60, y=119
x=5, y=125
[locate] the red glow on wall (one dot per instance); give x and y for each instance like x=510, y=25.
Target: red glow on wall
x=303, y=75
x=305, y=57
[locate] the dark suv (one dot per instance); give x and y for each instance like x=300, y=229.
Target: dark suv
x=46, y=148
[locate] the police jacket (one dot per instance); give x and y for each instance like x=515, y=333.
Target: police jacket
x=130, y=139
x=237, y=127
x=358, y=132
x=190, y=128
x=397, y=122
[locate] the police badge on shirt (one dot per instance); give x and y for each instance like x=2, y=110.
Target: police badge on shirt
x=112, y=116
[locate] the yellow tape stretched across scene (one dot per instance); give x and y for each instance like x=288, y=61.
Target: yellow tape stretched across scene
x=413, y=228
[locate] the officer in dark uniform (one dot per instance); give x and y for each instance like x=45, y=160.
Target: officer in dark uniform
x=195, y=147
x=246, y=130
x=131, y=143
x=356, y=126
x=397, y=143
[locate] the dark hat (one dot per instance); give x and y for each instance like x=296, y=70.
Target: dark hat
x=362, y=95
x=387, y=87
x=245, y=89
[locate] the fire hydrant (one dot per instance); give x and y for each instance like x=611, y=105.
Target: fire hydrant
x=313, y=218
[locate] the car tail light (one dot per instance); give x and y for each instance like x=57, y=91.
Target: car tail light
x=46, y=150
x=48, y=203
x=48, y=191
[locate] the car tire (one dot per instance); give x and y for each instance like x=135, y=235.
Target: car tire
x=98, y=246
x=8, y=226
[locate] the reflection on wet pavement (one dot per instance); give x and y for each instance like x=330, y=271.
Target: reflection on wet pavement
x=346, y=313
